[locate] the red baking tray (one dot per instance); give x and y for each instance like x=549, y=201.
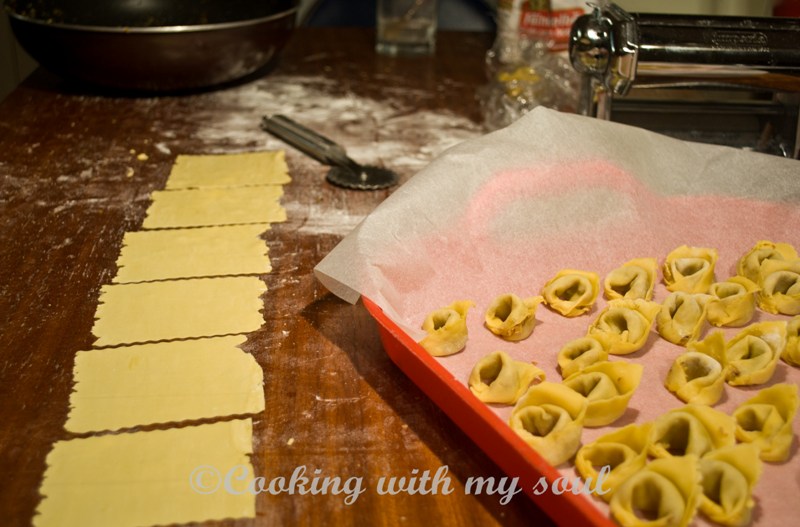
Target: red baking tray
x=485, y=428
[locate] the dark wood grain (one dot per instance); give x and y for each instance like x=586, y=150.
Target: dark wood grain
x=334, y=400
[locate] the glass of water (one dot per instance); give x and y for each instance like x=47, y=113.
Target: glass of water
x=406, y=27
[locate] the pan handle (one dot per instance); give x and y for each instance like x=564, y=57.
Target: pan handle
x=315, y=145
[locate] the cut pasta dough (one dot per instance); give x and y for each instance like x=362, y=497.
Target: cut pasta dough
x=696, y=378
x=571, y=292
x=728, y=477
x=749, y=265
x=497, y=378
x=608, y=387
x=752, y=355
x=690, y=269
x=228, y=170
x=766, y=421
x=579, y=354
x=624, y=325
x=447, y=329
x=511, y=317
x=681, y=317
x=634, y=279
x=692, y=429
x=733, y=302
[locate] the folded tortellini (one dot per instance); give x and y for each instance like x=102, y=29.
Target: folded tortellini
x=728, y=477
x=497, y=378
x=696, y=378
x=624, y=325
x=634, y=279
x=623, y=451
x=571, y=292
x=749, y=264
x=446, y=329
x=608, y=387
x=690, y=269
x=511, y=317
x=780, y=287
x=681, y=317
x=733, y=302
x=666, y=492
x=578, y=354
x=752, y=355
x=549, y=417
x=691, y=430
x=791, y=352
x=766, y=421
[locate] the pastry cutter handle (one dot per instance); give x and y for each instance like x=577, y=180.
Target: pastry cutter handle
x=311, y=143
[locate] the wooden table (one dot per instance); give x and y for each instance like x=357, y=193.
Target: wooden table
x=72, y=185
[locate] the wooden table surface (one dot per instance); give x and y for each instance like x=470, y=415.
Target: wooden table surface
x=71, y=185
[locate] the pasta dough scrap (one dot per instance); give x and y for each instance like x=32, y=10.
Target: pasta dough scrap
x=162, y=383
x=729, y=475
x=571, y=292
x=690, y=269
x=549, y=417
x=147, y=478
x=497, y=378
x=624, y=451
x=780, y=287
x=511, y=317
x=229, y=170
x=753, y=353
x=692, y=429
x=192, y=253
x=791, y=352
x=446, y=329
x=580, y=353
x=634, y=279
x=214, y=206
x=624, y=325
x=766, y=421
x=666, y=491
x=608, y=387
x=696, y=378
x=176, y=309
x=749, y=265
x=681, y=317
x=733, y=302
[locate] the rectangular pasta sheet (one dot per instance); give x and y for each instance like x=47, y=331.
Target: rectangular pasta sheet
x=163, y=382
x=229, y=170
x=144, y=478
x=178, y=309
x=190, y=253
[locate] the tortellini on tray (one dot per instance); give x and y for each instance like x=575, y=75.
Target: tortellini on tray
x=623, y=451
x=681, y=317
x=780, y=287
x=752, y=355
x=634, y=279
x=624, y=325
x=696, y=378
x=733, y=302
x=728, y=477
x=571, y=292
x=580, y=353
x=766, y=421
x=549, y=417
x=497, y=378
x=692, y=429
x=666, y=491
x=749, y=264
x=446, y=329
x=690, y=269
x=511, y=317
x=608, y=387
x=791, y=352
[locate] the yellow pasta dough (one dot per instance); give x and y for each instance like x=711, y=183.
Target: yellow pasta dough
x=228, y=170
x=780, y=287
x=497, y=378
x=692, y=429
x=579, y=353
x=729, y=475
x=447, y=329
x=681, y=317
x=571, y=292
x=623, y=451
x=752, y=355
x=511, y=317
x=696, y=378
x=791, y=352
x=624, y=325
x=607, y=386
x=690, y=269
x=766, y=421
x=666, y=491
x=733, y=302
x=549, y=417
x=634, y=279
x=749, y=265
x=713, y=346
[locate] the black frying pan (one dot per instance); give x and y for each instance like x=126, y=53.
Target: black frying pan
x=153, y=45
